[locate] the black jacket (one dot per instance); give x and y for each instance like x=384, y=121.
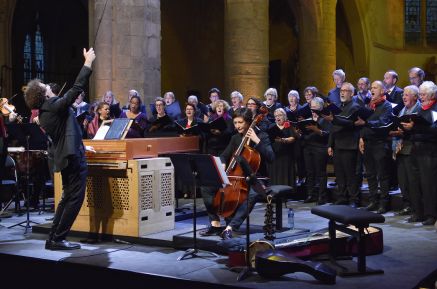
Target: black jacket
x=382, y=116
x=344, y=135
x=396, y=95
x=57, y=119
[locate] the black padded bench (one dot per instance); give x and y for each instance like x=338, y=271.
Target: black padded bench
x=349, y=216
x=279, y=193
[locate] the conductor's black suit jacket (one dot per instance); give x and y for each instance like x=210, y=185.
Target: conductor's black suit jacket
x=57, y=119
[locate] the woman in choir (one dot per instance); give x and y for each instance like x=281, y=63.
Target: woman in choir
x=271, y=96
x=201, y=109
x=139, y=118
x=291, y=110
x=190, y=120
x=114, y=105
x=254, y=104
x=315, y=141
x=283, y=136
x=102, y=113
x=236, y=102
x=161, y=121
x=217, y=140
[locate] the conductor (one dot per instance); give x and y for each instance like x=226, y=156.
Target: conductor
x=57, y=119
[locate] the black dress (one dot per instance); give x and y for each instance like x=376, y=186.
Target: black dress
x=281, y=170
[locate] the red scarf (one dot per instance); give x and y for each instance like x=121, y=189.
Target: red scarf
x=429, y=105
x=374, y=104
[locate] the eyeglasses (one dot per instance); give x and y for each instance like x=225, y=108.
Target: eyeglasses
x=251, y=103
x=345, y=90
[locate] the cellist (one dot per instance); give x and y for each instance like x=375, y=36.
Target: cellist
x=259, y=141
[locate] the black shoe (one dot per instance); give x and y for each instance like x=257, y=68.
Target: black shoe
x=61, y=245
x=372, y=206
x=429, y=221
x=382, y=209
x=226, y=234
x=211, y=231
x=310, y=199
x=415, y=219
x=405, y=211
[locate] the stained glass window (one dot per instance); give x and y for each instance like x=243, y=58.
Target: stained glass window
x=27, y=55
x=431, y=21
x=412, y=21
x=39, y=55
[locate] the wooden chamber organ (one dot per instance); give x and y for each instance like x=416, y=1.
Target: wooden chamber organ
x=130, y=187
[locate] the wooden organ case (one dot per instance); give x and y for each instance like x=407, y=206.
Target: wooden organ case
x=130, y=190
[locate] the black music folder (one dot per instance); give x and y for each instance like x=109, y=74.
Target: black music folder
x=194, y=130
x=274, y=132
x=327, y=110
x=219, y=124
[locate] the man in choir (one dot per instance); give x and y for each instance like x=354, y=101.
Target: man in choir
x=343, y=146
x=315, y=142
x=394, y=93
x=406, y=168
x=57, y=119
x=338, y=77
x=376, y=148
x=363, y=95
x=258, y=140
x=236, y=102
x=424, y=155
x=416, y=76
x=172, y=107
x=271, y=96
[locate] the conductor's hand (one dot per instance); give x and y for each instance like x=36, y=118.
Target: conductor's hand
x=90, y=149
x=252, y=136
x=89, y=57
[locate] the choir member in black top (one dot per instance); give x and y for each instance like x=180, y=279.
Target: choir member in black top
x=376, y=147
x=217, y=140
x=283, y=135
x=254, y=104
x=271, y=102
x=424, y=154
x=406, y=168
x=315, y=142
x=343, y=146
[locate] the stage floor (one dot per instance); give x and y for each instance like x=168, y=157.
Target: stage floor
x=409, y=255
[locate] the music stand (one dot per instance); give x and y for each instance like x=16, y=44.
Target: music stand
x=33, y=139
x=198, y=170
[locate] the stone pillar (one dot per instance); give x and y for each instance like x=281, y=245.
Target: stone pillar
x=246, y=46
x=128, y=48
x=317, y=44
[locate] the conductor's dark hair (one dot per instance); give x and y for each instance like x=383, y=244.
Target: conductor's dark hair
x=56, y=89
x=245, y=113
x=35, y=94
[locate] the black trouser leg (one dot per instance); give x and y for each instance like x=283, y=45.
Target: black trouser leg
x=376, y=162
x=404, y=167
x=345, y=162
x=74, y=185
x=208, y=194
x=310, y=171
x=427, y=172
x=320, y=162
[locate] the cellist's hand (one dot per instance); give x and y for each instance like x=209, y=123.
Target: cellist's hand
x=252, y=136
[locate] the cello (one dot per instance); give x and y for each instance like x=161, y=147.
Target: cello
x=228, y=199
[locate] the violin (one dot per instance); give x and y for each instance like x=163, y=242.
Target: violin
x=7, y=109
x=227, y=200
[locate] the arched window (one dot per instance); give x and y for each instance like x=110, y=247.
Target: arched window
x=421, y=22
x=33, y=55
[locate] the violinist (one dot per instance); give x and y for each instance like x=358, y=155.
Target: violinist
x=259, y=141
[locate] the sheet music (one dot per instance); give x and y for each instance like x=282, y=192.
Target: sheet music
x=101, y=132
x=434, y=116
x=221, y=170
